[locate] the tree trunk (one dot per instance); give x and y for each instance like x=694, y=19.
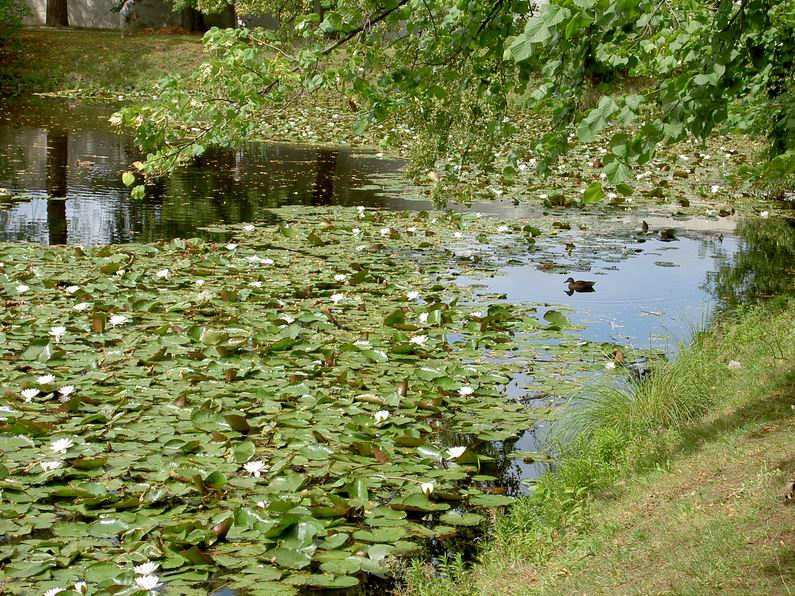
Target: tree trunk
x=57, y=13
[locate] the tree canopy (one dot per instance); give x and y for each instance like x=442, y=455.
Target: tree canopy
x=632, y=73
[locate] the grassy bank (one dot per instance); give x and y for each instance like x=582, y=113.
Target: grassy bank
x=676, y=488
x=97, y=63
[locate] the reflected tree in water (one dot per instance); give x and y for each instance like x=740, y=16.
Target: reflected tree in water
x=323, y=189
x=57, y=158
x=764, y=265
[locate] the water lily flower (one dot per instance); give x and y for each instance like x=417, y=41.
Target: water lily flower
x=412, y=295
x=255, y=467
x=54, y=591
x=231, y=246
x=118, y=320
x=147, y=568
x=360, y=209
x=610, y=364
x=57, y=333
x=72, y=289
x=148, y=582
x=457, y=235
x=356, y=231
x=477, y=314
x=45, y=379
x=360, y=248
x=385, y=231
x=335, y=298
x=764, y=214
x=423, y=317
x=162, y=274
x=684, y=157
x=455, y=452
x=81, y=306
x=288, y=319
x=249, y=228
x=30, y=393
x=734, y=364
x=412, y=230
x=714, y=188
x=427, y=487
x=266, y=261
x=51, y=465
x=418, y=339
x=81, y=587
x=466, y=390
x=380, y=416
x=61, y=445
x=340, y=277
x=255, y=284
x=66, y=390
x=543, y=195
x=503, y=229
x=199, y=282
x=22, y=288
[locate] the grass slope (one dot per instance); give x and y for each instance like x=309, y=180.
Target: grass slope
x=676, y=489
x=98, y=63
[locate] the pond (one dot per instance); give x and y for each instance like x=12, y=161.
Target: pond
x=345, y=382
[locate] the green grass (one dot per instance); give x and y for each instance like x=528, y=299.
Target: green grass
x=674, y=488
x=97, y=63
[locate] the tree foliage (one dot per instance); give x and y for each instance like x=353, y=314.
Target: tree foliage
x=637, y=72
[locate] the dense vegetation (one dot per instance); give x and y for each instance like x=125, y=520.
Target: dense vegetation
x=456, y=73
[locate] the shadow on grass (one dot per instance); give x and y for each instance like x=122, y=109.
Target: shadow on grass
x=774, y=406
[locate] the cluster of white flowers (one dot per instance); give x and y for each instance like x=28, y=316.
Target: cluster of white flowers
x=255, y=467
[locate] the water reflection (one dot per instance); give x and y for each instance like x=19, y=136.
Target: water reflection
x=67, y=162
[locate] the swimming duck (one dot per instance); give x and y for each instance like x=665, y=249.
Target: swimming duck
x=579, y=285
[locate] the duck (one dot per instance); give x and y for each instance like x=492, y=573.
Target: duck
x=579, y=285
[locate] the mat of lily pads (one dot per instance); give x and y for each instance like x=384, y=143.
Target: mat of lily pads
x=291, y=409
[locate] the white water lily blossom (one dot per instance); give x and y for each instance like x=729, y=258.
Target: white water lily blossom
x=147, y=568
x=503, y=229
x=255, y=284
x=58, y=332
x=423, y=317
x=66, y=390
x=54, y=591
x=162, y=274
x=288, y=319
x=249, y=228
x=30, y=393
x=148, y=582
x=61, y=445
x=385, y=231
x=419, y=340
x=255, y=467
x=413, y=295
x=380, y=416
x=335, y=298
x=466, y=390
x=340, y=277
x=356, y=231
x=764, y=214
x=22, y=288
x=427, y=487
x=51, y=465
x=231, y=246
x=72, y=289
x=81, y=587
x=714, y=188
x=199, y=282
x=734, y=364
x=455, y=452
x=118, y=320
x=45, y=379
x=81, y=306
x=457, y=235
x=266, y=261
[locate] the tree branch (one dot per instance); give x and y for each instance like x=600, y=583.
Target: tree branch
x=367, y=23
